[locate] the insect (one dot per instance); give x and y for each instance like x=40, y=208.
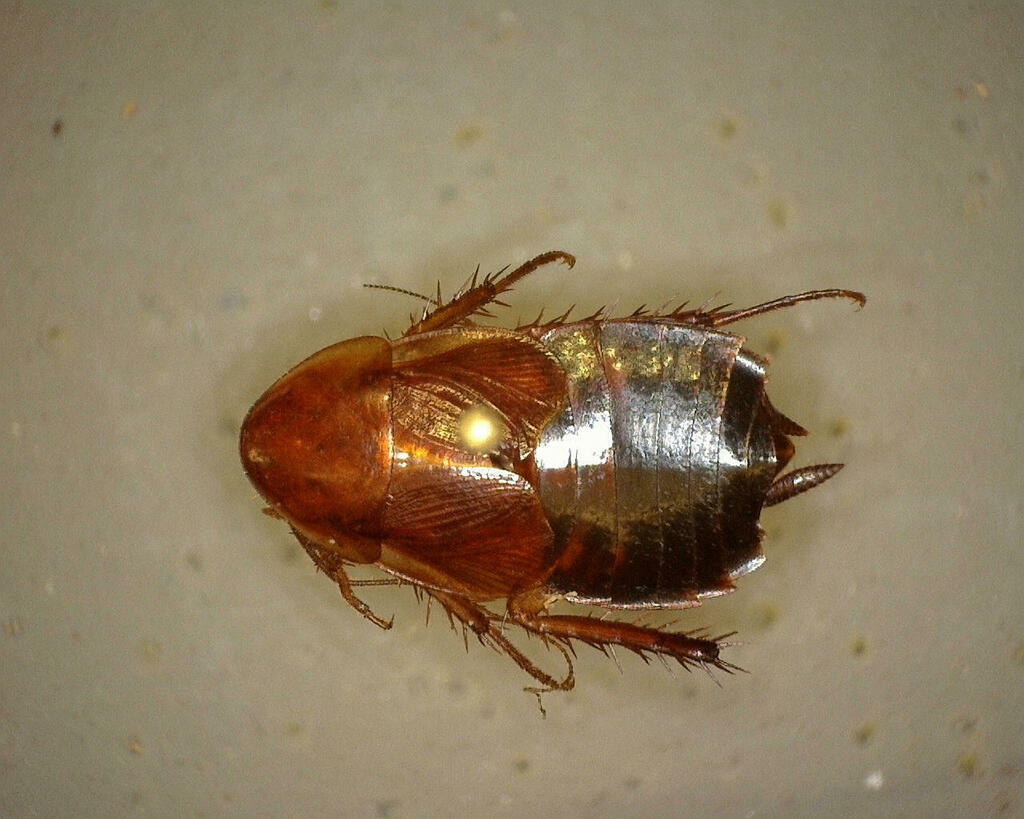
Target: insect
x=620, y=463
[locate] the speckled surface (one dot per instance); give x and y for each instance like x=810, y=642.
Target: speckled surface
x=191, y=200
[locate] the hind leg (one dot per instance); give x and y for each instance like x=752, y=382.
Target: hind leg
x=689, y=649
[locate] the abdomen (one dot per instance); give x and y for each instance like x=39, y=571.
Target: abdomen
x=654, y=475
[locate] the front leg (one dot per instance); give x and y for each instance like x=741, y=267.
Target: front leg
x=334, y=567
x=688, y=649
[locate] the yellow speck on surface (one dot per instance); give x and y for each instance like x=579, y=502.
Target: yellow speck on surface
x=839, y=427
x=778, y=213
x=768, y=614
x=149, y=649
x=864, y=733
x=967, y=764
x=468, y=135
x=859, y=646
x=129, y=108
x=775, y=341
x=727, y=128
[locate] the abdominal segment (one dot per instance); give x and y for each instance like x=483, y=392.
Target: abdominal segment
x=654, y=474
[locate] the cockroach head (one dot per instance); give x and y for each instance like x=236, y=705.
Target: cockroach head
x=317, y=446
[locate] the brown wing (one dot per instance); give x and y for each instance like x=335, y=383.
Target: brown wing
x=475, y=530
x=438, y=376
x=453, y=519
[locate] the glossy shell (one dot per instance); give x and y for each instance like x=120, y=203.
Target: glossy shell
x=654, y=474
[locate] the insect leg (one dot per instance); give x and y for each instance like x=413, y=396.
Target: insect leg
x=686, y=648
x=337, y=573
x=798, y=481
x=474, y=300
x=331, y=565
x=481, y=623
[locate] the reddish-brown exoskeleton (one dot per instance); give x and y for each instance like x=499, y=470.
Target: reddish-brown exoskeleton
x=616, y=462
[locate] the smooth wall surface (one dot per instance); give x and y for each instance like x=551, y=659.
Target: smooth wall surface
x=191, y=196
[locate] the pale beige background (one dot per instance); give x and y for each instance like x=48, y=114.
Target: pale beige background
x=225, y=178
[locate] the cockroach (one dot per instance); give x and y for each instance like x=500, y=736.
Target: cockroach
x=620, y=463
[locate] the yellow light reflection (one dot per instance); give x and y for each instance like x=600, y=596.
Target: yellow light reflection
x=481, y=429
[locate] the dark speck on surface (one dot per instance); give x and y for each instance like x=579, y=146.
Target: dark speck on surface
x=232, y=300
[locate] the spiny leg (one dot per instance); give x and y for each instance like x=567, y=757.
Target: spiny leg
x=686, y=648
x=799, y=481
x=337, y=573
x=333, y=566
x=478, y=296
x=481, y=623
